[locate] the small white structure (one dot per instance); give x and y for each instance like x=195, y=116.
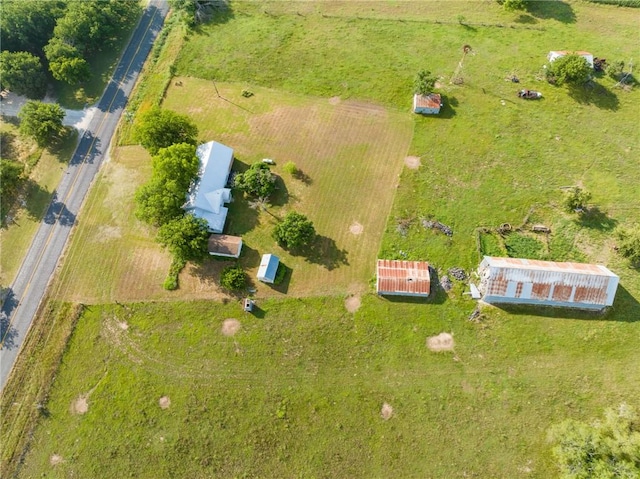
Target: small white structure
x=268, y=268
x=225, y=245
x=549, y=283
x=555, y=54
x=208, y=194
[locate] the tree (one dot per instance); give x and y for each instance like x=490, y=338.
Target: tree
x=233, y=278
x=157, y=203
x=603, y=449
x=28, y=26
x=196, y=11
x=513, y=5
x=257, y=181
x=23, y=73
x=177, y=164
x=615, y=69
x=158, y=128
x=41, y=121
x=66, y=62
x=424, y=83
x=10, y=176
x=576, y=199
x=186, y=238
x=628, y=243
x=295, y=231
x=572, y=69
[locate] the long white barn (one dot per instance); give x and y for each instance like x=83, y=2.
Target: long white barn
x=208, y=194
x=550, y=283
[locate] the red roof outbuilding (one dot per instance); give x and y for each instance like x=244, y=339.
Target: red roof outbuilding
x=403, y=278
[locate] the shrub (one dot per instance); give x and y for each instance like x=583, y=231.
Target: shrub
x=576, y=199
x=615, y=69
x=629, y=243
x=295, y=231
x=424, y=83
x=257, y=181
x=291, y=168
x=520, y=246
x=572, y=69
x=281, y=274
x=233, y=278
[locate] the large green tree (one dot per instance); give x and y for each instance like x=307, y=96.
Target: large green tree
x=158, y=203
x=158, y=128
x=23, y=73
x=569, y=69
x=294, y=231
x=41, y=121
x=66, y=62
x=28, y=25
x=258, y=181
x=424, y=82
x=10, y=176
x=186, y=238
x=177, y=164
x=603, y=449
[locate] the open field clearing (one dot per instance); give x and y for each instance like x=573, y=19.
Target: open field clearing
x=343, y=148
x=201, y=389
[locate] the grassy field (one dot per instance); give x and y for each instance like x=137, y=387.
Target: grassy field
x=44, y=167
x=343, y=148
x=158, y=390
x=154, y=389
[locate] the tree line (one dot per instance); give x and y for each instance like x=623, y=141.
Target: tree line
x=58, y=37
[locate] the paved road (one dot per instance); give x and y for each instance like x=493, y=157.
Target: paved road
x=37, y=268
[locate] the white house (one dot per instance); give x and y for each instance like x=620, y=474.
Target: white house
x=549, y=283
x=268, y=268
x=555, y=54
x=208, y=194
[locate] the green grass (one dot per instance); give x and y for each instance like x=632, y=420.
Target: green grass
x=44, y=176
x=297, y=392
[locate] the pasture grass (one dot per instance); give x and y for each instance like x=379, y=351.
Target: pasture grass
x=298, y=391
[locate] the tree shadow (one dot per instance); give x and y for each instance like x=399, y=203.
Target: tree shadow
x=596, y=95
x=221, y=13
x=281, y=196
x=88, y=149
x=242, y=217
x=303, y=177
x=58, y=211
x=38, y=200
x=283, y=286
x=209, y=269
x=7, y=146
x=595, y=218
x=526, y=19
x=552, y=10
x=8, y=333
x=326, y=253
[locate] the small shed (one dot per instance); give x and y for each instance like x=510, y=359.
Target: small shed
x=403, y=278
x=555, y=54
x=268, y=268
x=225, y=245
x=549, y=283
x=427, y=104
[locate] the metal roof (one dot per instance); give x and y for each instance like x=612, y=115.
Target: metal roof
x=432, y=100
x=562, y=267
x=409, y=278
x=268, y=268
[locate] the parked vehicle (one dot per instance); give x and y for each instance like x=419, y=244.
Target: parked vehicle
x=529, y=94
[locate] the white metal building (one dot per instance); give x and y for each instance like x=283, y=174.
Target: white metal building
x=526, y=281
x=268, y=268
x=208, y=194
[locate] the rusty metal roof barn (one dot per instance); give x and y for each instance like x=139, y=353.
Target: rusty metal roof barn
x=526, y=281
x=403, y=278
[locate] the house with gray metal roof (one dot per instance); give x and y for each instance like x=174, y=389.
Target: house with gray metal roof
x=209, y=193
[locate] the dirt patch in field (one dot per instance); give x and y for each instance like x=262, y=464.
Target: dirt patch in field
x=80, y=405
x=386, y=412
x=123, y=325
x=230, y=327
x=334, y=100
x=164, y=402
x=412, y=162
x=352, y=303
x=356, y=228
x=441, y=342
x=55, y=459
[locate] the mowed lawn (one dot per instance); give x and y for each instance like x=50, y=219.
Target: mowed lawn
x=158, y=390
x=351, y=154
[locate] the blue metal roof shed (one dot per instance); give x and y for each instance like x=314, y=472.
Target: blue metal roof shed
x=268, y=268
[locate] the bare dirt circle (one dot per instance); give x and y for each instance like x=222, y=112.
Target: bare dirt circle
x=123, y=325
x=80, y=405
x=352, y=303
x=441, y=342
x=334, y=100
x=386, y=412
x=230, y=327
x=412, y=162
x=356, y=228
x=164, y=402
x=55, y=459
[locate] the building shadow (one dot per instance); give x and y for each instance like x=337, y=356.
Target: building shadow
x=625, y=309
x=551, y=10
x=594, y=94
x=449, y=103
x=595, y=218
